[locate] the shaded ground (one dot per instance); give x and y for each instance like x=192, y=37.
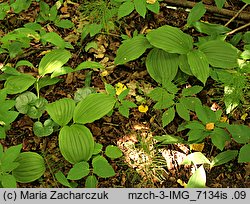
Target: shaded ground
x=118, y=130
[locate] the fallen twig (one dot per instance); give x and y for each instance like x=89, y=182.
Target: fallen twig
x=238, y=29
x=237, y=14
x=212, y=9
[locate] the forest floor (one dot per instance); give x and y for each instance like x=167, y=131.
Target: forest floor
x=134, y=134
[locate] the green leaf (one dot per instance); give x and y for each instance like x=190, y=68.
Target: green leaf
x=162, y=66
x=191, y=90
x=198, y=179
x=125, y=9
x=220, y=3
x=182, y=111
x=199, y=65
x=246, y=1
x=170, y=39
x=91, y=182
x=45, y=129
x=205, y=114
x=11, y=154
x=79, y=171
x=8, y=181
x=31, y=167
x=190, y=102
x=131, y=49
x=169, y=139
x=240, y=133
x=196, y=135
x=140, y=7
x=62, y=179
x=195, y=158
x=18, y=84
x=223, y=158
x=61, y=71
x=89, y=64
x=46, y=81
x=210, y=28
x=168, y=116
x=82, y=93
x=196, y=13
x=113, y=152
x=4, y=8
x=76, y=143
x=93, y=107
x=55, y=39
x=220, y=54
x=61, y=111
x=64, y=24
x=97, y=148
x=244, y=154
x=165, y=100
x=154, y=7
x=52, y=61
x=183, y=64
x=24, y=102
x=219, y=138
x=102, y=168
x=9, y=167
x=24, y=63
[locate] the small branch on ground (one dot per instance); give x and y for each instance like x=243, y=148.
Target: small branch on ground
x=237, y=14
x=212, y=9
x=238, y=29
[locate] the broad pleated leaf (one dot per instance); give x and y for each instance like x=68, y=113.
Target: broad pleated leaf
x=131, y=49
x=196, y=13
x=184, y=66
x=170, y=39
x=52, y=61
x=220, y=54
x=61, y=111
x=220, y=3
x=198, y=179
x=198, y=65
x=55, y=39
x=93, y=107
x=162, y=66
x=76, y=143
x=18, y=84
x=219, y=138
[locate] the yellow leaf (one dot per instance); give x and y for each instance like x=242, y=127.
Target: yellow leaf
x=151, y=1
x=119, y=87
x=104, y=73
x=209, y=126
x=143, y=108
x=224, y=119
x=182, y=183
x=244, y=116
x=197, y=147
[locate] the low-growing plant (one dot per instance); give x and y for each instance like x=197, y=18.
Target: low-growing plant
x=22, y=167
x=100, y=167
x=120, y=92
x=141, y=6
x=7, y=115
